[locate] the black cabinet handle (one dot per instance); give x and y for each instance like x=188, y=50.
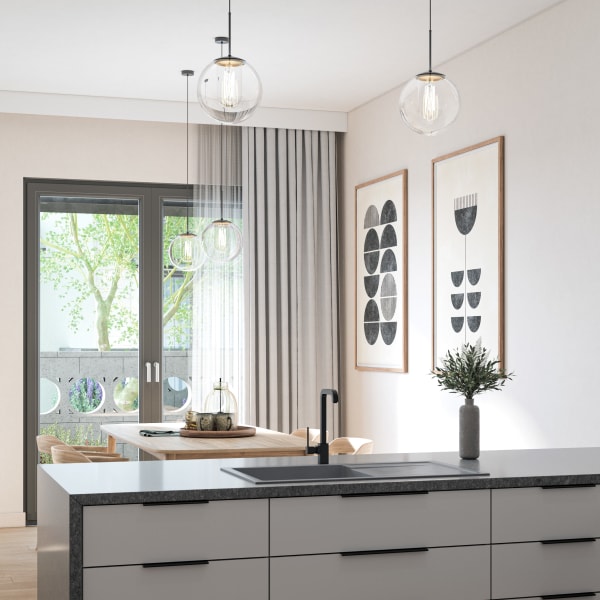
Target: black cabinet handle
x=569, y=541
x=576, y=595
x=560, y=486
x=390, y=551
x=359, y=495
x=181, y=563
x=174, y=502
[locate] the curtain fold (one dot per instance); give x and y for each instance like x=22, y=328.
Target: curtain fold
x=291, y=275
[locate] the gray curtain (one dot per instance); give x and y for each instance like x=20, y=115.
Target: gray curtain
x=291, y=275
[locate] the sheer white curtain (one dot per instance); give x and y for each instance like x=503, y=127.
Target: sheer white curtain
x=218, y=300
x=291, y=275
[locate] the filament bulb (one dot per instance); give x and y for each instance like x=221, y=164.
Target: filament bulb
x=230, y=88
x=431, y=106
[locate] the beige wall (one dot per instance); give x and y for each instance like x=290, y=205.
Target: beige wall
x=533, y=85
x=66, y=148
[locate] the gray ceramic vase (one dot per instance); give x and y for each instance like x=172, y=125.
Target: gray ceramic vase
x=469, y=430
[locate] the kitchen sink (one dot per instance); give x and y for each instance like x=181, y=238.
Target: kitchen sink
x=350, y=472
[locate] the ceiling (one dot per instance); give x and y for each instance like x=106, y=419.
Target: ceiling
x=329, y=55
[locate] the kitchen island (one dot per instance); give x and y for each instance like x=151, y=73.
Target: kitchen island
x=187, y=528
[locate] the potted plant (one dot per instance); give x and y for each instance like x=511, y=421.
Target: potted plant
x=469, y=371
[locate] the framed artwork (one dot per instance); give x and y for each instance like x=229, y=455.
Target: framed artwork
x=381, y=274
x=468, y=249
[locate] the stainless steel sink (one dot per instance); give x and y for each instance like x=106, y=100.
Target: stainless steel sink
x=350, y=472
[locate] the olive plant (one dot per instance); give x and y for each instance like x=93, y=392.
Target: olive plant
x=468, y=371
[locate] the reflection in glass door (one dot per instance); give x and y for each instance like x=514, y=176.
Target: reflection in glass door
x=88, y=314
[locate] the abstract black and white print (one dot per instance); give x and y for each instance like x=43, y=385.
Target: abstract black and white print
x=467, y=257
x=380, y=241
x=382, y=268
x=465, y=216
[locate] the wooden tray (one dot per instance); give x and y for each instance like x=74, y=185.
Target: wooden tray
x=241, y=431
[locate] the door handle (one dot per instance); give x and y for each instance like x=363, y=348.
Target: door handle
x=157, y=372
x=148, y=372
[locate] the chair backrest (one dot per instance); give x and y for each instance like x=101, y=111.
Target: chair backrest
x=351, y=445
x=45, y=443
x=66, y=454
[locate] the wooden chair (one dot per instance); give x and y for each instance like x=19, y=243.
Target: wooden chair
x=68, y=454
x=351, y=445
x=314, y=435
x=45, y=443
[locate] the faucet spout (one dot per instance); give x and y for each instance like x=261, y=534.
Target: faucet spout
x=322, y=448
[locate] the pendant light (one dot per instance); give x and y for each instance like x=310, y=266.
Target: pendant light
x=185, y=251
x=222, y=239
x=429, y=102
x=229, y=89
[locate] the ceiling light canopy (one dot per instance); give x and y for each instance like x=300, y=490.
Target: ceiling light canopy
x=229, y=89
x=429, y=102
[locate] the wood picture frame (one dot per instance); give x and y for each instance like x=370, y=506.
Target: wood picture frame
x=468, y=249
x=381, y=336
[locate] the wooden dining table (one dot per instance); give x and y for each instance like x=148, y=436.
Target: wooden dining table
x=264, y=443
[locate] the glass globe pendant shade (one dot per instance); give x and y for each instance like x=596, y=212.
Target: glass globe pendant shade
x=429, y=102
x=229, y=89
x=221, y=241
x=186, y=252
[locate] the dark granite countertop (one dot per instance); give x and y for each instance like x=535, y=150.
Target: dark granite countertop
x=193, y=480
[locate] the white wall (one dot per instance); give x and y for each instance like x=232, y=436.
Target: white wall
x=535, y=85
x=66, y=148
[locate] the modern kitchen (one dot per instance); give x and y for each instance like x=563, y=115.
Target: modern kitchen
x=418, y=517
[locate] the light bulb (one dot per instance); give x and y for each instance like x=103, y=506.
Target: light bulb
x=186, y=253
x=429, y=102
x=230, y=88
x=222, y=241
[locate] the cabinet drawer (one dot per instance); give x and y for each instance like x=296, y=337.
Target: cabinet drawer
x=335, y=523
x=225, y=580
x=534, y=514
x=135, y=533
x=536, y=569
x=449, y=573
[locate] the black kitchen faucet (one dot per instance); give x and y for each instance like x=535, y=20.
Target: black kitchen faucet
x=322, y=448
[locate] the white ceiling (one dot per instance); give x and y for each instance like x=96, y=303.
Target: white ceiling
x=329, y=55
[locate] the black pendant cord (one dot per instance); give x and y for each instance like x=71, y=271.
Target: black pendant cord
x=430, y=36
x=229, y=28
x=223, y=153
x=187, y=150
x=225, y=176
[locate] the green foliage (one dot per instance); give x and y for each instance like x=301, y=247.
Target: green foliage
x=79, y=435
x=95, y=256
x=469, y=371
